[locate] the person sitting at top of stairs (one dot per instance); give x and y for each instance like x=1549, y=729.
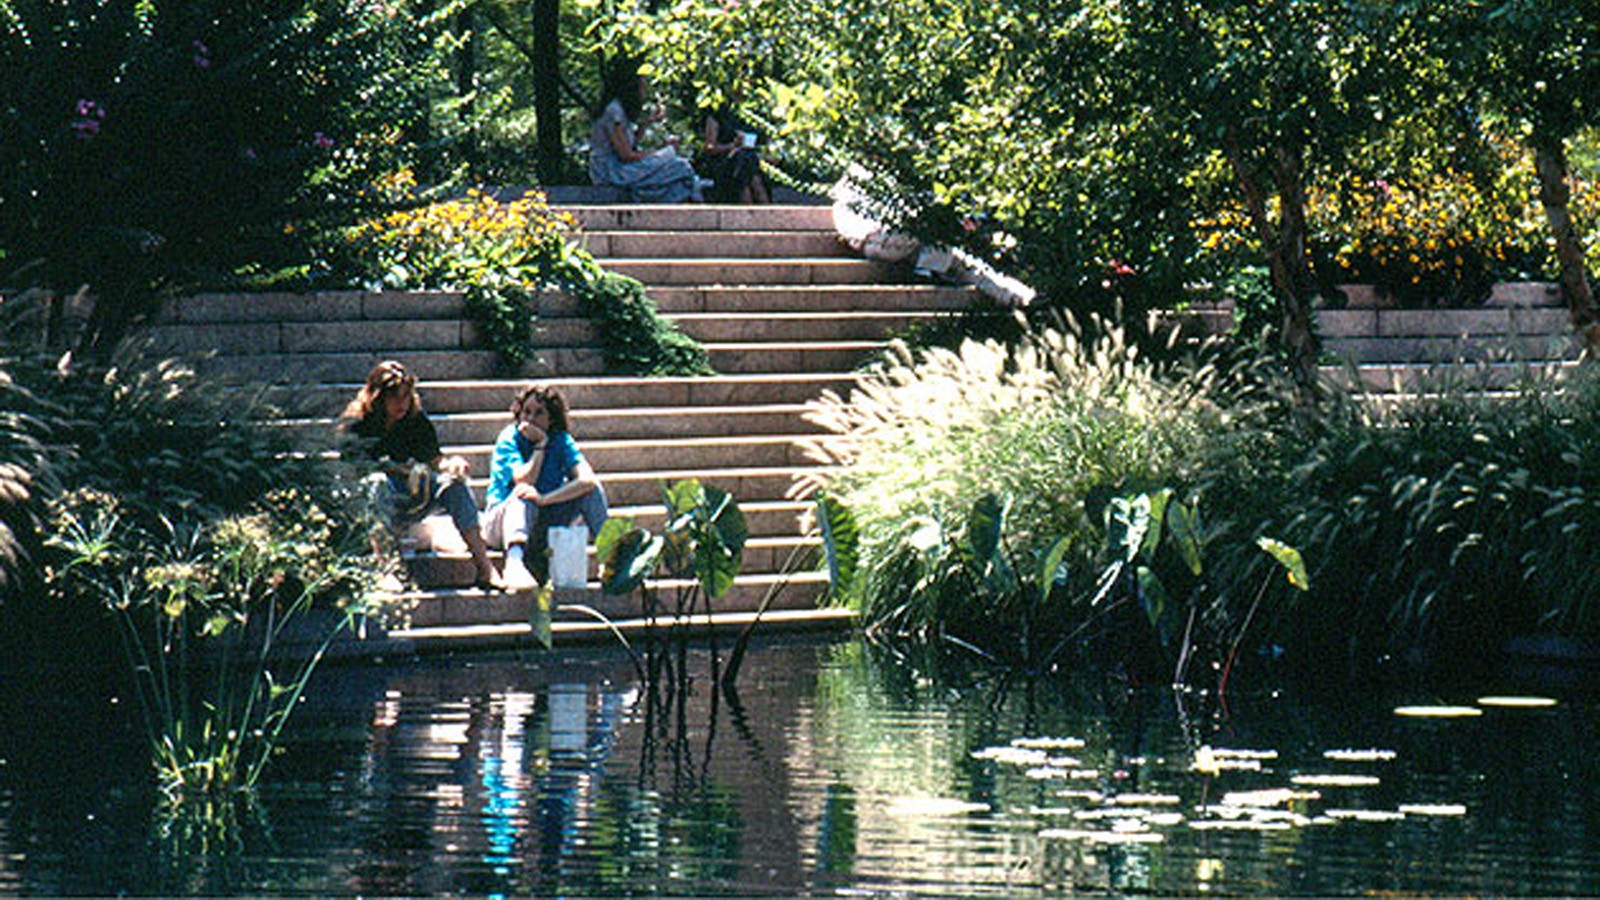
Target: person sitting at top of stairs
x=538, y=479
x=615, y=157
x=413, y=477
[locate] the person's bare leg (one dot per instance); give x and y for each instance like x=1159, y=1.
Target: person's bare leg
x=488, y=577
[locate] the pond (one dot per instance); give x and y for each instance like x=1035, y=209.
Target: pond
x=833, y=770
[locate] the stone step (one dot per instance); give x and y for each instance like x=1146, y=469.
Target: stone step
x=701, y=217
x=323, y=306
x=800, y=327
x=600, y=392
x=751, y=358
x=610, y=457
x=1450, y=323
x=674, y=300
x=443, y=608
x=252, y=338
x=605, y=245
x=1485, y=348
x=428, y=365
x=728, y=271
x=763, y=555
x=662, y=423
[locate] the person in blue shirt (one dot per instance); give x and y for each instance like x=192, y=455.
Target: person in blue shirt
x=538, y=479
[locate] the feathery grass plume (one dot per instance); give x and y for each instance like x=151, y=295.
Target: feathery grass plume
x=929, y=433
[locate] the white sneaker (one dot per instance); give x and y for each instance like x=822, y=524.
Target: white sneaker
x=517, y=576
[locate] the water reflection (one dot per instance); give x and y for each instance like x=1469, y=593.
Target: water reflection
x=830, y=770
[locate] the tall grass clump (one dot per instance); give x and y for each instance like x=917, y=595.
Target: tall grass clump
x=1434, y=527
x=936, y=447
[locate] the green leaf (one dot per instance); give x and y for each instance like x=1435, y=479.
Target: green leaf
x=841, y=540
x=1183, y=523
x=1127, y=521
x=984, y=527
x=1158, y=515
x=1157, y=606
x=611, y=534
x=1050, y=566
x=634, y=561
x=1289, y=558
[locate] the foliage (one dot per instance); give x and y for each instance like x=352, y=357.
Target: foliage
x=701, y=545
x=142, y=143
x=927, y=435
x=193, y=598
x=1434, y=529
x=502, y=254
x=173, y=507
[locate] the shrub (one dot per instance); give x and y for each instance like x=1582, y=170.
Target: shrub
x=1434, y=529
x=928, y=435
x=502, y=254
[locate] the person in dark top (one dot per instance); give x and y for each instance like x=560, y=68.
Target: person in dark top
x=728, y=156
x=413, y=476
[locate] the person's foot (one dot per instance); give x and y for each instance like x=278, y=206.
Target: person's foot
x=518, y=578
x=490, y=581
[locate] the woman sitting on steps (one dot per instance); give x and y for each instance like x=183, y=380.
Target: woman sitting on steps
x=538, y=479
x=413, y=476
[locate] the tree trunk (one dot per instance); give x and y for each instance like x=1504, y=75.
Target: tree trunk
x=466, y=76
x=1550, y=160
x=1285, y=245
x=547, y=89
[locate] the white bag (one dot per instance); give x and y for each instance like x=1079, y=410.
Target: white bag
x=569, y=556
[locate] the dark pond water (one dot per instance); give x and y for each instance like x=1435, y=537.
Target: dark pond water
x=832, y=773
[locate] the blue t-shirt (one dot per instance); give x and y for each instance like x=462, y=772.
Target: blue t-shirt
x=512, y=449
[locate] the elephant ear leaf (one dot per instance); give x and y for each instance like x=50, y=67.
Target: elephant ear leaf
x=1157, y=605
x=1289, y=558
x=634, y=560
x=1050, y=566
x=1183, y=523
x=1127, y=522
x=841, y=539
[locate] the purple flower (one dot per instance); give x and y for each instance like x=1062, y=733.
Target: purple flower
x=90, y=109
x=87, y=124
x=321, y=141
x=202, y=55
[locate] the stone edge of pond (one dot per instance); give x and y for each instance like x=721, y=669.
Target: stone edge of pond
x=377, y=642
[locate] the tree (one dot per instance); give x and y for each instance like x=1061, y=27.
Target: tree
x=1537, y=64
x=161, y=142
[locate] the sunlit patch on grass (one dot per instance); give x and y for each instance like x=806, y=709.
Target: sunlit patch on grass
x=1438, y=712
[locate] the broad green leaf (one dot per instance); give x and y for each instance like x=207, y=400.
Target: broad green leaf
x=1157, y=606
x=841, y=540
x=1158, y=514
x=984, y=527
x=611, y=533
x=925, y=535
x=1289, y=558
x=635, y=560
x=1183, y=523
x=1127, y=521
x=1050, y=566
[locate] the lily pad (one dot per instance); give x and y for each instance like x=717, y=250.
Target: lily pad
x=1517, y=702
x=1433, y=809
x=1438, y=712
x=933, y=807
x=1349, y=755
x=1336, y=780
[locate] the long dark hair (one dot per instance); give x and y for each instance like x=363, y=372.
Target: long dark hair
x=387, y=377
x=622, y=85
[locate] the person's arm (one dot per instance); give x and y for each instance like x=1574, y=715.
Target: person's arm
x=711, y=145
x=622, y=145
x=583, y=481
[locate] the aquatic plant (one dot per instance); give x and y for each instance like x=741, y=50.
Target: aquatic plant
x=212, y=618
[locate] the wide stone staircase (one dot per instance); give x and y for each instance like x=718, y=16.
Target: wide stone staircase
x=783, y=309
